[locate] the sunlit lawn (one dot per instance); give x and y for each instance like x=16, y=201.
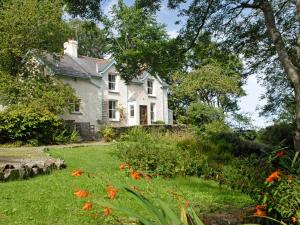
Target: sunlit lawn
x=49, y=199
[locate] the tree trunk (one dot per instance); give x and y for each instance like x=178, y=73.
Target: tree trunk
x=285, y=59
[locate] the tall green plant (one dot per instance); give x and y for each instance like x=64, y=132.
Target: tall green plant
x=159, y=215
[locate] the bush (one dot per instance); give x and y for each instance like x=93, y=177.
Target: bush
x=108, y=134
x=280, y=134
x=23, y=124
x=159, y=122
x=66, y=136
x=160, y=154
x=32, y=127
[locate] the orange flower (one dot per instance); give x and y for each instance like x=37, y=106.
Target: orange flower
x=260, y=210
x=77, y=173
x=81, y=194
x=187, y=203
x=274, y=176
x=124, y=166
x=111, y=191
x=107, y=211
x=294, y=219
x=87, y=206
x=135, y=175
x=280, y=154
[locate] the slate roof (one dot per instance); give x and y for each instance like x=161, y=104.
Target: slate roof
x=84, y=67
x=81, y=67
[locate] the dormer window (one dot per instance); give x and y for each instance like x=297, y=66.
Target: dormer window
x=111, y=82
x=150, y=87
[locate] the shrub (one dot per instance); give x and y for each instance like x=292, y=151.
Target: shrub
x=108, y=133
x=160, y=122
x=159, y=154
x=66, y=135
x=199, y=114
x=280, y=134
x=246, y=174
x=34, y=126
x=23, y=124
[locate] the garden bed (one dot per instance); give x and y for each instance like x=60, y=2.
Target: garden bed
x=51, y=198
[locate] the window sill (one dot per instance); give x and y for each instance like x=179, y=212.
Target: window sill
x=114, y=91
x=114, y=120
x=151, y=96
x=76, y=113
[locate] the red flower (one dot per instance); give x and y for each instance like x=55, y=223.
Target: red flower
x=111, y=191
x=274, y=176
x=87, y=206
x=77, y=173
x=81, y=194
x=107, y=211
x=135, y=175
x=260, y=210
x=280, y=154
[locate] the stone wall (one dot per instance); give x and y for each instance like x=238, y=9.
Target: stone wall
x=29, y=168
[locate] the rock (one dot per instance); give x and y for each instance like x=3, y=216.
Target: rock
x=1, y=176
x=229, y=218
x=11, y=174
x=35, y=170
x=28, y=168
x=22, y=173
x=60, y=164
x=28, y=171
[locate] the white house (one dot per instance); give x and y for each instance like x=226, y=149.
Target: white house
x=103, y=97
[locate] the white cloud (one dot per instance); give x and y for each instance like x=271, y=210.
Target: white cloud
x=107, y=8
x=173, y=33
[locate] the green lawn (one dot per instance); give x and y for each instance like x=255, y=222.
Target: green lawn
x=49, y=199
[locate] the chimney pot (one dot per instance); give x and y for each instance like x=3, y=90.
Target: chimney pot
x=71, y=48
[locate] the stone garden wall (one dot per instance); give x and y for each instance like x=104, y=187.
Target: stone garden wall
x=16, y=169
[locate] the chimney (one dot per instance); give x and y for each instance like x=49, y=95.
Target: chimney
x=70, y=48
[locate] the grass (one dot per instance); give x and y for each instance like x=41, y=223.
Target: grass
x=49, y=199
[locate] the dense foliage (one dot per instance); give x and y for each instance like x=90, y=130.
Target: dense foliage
x=92, y=41
x=140, y=43
x=33, y=126
x=159, y=154
x=28, y=25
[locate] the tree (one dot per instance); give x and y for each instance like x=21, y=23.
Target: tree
x=263, y=31
x=90, y=9
x=91, y=39
x=139, y=43
x=210, y=84
x=35, y=89
x=27, y=25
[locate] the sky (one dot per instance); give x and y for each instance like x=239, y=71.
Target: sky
x=248, y=104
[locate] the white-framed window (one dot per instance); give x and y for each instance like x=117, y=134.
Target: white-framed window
x=112, y=81
x=152, y=112
x=131, y=110
x=112, y=109
x=150, y=87
x=75, y=104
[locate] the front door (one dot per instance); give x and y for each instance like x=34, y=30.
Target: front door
x=143, y=115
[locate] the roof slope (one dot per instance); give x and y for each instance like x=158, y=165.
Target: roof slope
x=85, y=67
x=82, y=66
